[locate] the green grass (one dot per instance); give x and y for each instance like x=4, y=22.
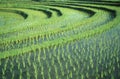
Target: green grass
x=59, y=40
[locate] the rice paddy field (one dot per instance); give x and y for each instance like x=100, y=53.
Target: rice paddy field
x=59, y=40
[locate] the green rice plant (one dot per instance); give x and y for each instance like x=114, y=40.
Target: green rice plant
x=82, y=76
x=5, y=66
x=18, y=65
x=118, y=65
x=3, y=77
x=49, y=70
x=105, y=73
x=28, y=60
x=67, y=77
x=96, y=69
x=0, y=63
x=109, y=71
x=12, y=66
x=35, y=71
x=66, y=65
x=112, y=77
x=96, y=77
x=49, y=76
x=20, y=75
x=102, y=74
x=28, y=75
x=74, y=69
x=71, y=75
x=13, y=76
x=3, y=72
x=50, y=56
x=42, y=72
x=44, y=57
x=52, y=61
x=61, y=68
x=39, y=53
x=56, y=72
x=87, y=75
x=23, y=63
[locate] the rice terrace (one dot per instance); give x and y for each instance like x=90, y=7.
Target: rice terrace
x=59, y=39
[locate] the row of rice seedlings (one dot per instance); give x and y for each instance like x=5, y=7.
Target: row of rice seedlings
x=97, y=70
x=60, y=65
x=29, y=18
x=58, y=9
x=73, y=4
x=110, y=64
x=5, y=66
x=23, y=43
x=111, y=56
x=63, y=61
x=110, y=68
